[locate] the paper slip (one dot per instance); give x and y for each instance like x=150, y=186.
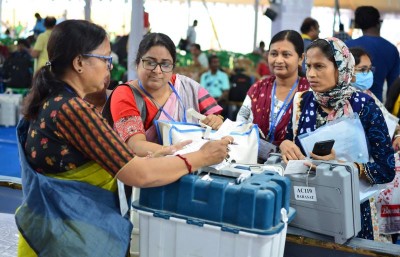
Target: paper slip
x=195, y=146
x=226, y=128
x=195, y=114
x=192, y=147
x=367, y=190
x=296, y=167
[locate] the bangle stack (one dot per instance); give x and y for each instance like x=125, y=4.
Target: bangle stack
x=188, y=166
x=361, y=168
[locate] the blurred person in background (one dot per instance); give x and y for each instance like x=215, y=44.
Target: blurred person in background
x=39, y=50
x=384, y=55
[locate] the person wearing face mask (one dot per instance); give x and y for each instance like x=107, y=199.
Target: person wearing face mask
x=363, y=80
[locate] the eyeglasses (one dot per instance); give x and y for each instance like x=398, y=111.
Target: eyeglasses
x=104, y=57
x=152, y=65
x=365, y=70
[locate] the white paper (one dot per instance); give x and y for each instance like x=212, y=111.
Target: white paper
x=297, y=167
x=367, y=190
x=348, y=133
x=226, y=128
x=195, y=146
x=195, y=114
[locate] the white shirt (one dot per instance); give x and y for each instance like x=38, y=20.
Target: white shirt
x=191, y=35
x=203, y=60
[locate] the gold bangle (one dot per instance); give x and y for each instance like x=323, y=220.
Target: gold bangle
x=220, y=116
x=360, y=168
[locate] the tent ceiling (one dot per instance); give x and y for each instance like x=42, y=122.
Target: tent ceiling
x=381, y=5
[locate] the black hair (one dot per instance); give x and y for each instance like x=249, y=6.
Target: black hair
x=67, y=40
x=308, y=24
x=197, y=46
x=212, y=57
x=392, y=95
x=293, y=37
x=325, y=48
x=366, y=17
x=155, y=39
x=23, y=42
x=49, y=22
x=357, y=52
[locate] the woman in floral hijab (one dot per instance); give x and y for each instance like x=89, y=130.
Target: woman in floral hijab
x=330, y=67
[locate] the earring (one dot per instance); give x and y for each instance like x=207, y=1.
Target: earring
x=79, y=70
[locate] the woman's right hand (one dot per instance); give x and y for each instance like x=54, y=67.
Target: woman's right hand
x=216, y=151
x=290, y=151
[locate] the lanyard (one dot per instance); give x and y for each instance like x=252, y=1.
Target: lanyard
x=70, y=89
x=286, y=103
x=161, y=108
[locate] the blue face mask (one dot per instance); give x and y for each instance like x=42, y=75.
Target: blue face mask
x=363, y=81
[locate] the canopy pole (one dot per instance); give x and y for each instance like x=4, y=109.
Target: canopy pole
x=135, y=36
x=1, y=16
x=256, y=4
x=88, y=7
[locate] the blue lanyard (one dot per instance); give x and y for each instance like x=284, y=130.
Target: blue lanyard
x=281, y=111
x=161, y=108
x=70, y=89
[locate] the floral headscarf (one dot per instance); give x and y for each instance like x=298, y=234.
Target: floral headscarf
x=337, y=97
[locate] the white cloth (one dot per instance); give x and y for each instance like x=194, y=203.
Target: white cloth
x=203, y=60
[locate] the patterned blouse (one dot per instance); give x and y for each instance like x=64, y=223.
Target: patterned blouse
x=256, y=107
x=126, y=116
x=69, y=133
x=379, y=171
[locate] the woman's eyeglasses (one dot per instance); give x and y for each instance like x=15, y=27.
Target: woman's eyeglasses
x=365, y=70
x=152, y=65
x=104, y=57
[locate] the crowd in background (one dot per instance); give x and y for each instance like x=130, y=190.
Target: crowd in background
x=359, y=68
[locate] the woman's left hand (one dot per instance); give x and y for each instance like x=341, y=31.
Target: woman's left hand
x=214, y=121
x=329, y=157
x=396, y=144
x=169, y=150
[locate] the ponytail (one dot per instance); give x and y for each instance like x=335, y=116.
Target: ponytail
x=44, y=83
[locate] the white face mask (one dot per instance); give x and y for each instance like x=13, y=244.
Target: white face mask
x=363, y=81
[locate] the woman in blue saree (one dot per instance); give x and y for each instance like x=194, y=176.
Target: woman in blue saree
x=330, y=68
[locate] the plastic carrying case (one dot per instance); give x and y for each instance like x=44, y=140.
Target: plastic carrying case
x=334, y=209
x=214, y=213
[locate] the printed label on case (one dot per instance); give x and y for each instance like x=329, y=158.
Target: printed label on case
x=305, y=193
